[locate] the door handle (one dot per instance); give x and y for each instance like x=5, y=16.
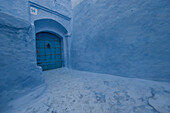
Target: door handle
x=48, y=45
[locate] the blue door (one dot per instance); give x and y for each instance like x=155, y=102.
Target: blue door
x=48, y=48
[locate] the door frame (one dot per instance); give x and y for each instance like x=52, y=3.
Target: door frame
x=52, y=26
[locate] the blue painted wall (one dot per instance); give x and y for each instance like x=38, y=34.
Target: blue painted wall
x=122, y=37
x=48, y=8
x=19, y=73
x=20, y=8
x=16, y=8
x=61, y=6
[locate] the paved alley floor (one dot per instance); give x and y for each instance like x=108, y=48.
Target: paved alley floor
x=70, y=91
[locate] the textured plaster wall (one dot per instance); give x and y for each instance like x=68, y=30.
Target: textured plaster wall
x=19, y=73
x=125, y=38
x=20, y=8
x=61, y=6
x=75, y=2
x=17, y=8
x=18, y=70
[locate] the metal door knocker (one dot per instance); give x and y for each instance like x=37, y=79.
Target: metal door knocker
x=37, y=51
x=48, y=45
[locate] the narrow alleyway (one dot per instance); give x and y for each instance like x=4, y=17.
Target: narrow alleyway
x=70, y=91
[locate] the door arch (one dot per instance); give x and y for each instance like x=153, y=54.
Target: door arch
x=49, y=50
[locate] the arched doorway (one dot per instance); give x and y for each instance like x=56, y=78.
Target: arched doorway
x=49, y=50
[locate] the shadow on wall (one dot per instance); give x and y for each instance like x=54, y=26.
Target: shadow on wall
x=124, y=38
